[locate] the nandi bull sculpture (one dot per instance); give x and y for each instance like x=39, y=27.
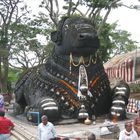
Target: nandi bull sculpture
x=72, y=83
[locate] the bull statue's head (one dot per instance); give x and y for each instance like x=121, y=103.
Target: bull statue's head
x=75, y=35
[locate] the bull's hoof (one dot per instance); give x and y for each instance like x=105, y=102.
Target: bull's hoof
x=117, y=113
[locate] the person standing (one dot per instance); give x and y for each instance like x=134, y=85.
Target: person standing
x=137, y=123
x=1, y=102
x=6, y=125
x=128, y=133
x=46, y=129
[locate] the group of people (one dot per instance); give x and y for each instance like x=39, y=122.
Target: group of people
x=46, y=130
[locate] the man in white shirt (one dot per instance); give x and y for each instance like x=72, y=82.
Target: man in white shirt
x=46, y=129
x=128, y=133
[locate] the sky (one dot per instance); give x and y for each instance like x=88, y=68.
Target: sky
x=127, y=19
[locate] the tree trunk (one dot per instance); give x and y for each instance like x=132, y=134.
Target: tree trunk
x=5, y=75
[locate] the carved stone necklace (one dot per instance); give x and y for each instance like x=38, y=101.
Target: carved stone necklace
x=81, y=61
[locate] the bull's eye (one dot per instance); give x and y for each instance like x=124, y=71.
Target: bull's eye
x=66, y=27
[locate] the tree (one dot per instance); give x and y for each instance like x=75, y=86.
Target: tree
x=9, y=13
x=27, y=51
x=18, y=39
x=114, y=41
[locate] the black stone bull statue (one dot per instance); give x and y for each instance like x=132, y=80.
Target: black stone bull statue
x=72, y=83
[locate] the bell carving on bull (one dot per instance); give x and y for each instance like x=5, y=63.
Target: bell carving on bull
x=82, y=82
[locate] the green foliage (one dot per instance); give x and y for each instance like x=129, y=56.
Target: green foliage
x=4, y=52
x=26, y=42
x=105, y=43
x=100, y=3
x=13, y=75
x=134, y=88
x=114, y=41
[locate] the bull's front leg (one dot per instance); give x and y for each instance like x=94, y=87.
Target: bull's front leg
x=45, y=106
x=121, y=94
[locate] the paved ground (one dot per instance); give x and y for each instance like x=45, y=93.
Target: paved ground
x=82, y=130
x=78, y=130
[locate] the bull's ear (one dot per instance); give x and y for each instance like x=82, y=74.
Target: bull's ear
x=54, y=36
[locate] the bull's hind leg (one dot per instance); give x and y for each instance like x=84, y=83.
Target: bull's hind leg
x=120, y=100
x=17, y=109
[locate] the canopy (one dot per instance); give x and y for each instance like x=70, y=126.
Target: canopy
x=125, y=66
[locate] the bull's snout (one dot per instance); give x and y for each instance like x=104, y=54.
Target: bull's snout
x=83, y=36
